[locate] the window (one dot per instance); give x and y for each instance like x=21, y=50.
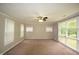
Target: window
x=62, y=31
x=22, y=31
x=72, y=29
x=29, y=29
x=68, y=33
x=72, y=33
x=48, y=29
x=9, y=31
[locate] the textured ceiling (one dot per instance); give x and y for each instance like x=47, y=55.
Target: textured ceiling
x=29, y=11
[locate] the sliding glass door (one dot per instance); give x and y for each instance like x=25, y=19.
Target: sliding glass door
x=62, y=32
x=72, y=33
x=68, y=33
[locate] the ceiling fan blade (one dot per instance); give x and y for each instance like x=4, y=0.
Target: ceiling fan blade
x=44, y=19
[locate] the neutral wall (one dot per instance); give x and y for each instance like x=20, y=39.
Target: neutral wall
x=1, y=33
x=39, y=31
x=55, y=31
x=16, y=32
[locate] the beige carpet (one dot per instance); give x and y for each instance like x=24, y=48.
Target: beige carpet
x=40, y=47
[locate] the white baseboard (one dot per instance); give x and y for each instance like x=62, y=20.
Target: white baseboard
x=11, y=47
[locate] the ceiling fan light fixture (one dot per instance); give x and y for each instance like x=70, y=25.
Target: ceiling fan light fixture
x=40, y=20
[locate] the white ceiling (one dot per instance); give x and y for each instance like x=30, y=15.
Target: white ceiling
x=29, y=11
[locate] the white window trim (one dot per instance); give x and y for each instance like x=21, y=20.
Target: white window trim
x=22, y=31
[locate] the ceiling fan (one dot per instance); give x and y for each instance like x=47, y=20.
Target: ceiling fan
x=42, y=19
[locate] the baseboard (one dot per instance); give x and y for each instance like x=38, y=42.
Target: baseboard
x=38, y=39
x=11, y=47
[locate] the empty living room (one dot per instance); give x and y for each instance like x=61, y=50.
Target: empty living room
x=39, y=28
